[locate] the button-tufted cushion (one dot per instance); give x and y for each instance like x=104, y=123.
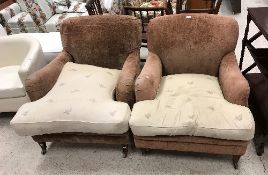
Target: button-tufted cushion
x=191, y=104
x=80, y=101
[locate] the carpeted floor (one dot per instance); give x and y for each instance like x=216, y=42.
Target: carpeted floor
x=21, y=155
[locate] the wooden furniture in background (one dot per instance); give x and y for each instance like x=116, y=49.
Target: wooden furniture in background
x=94, y=7
x=145, y=14
x=198, y=6
x=236, y=6
x=258, y=82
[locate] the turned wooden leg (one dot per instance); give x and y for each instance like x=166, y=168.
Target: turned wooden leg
x=236, y=160
x=43, y=147
x=145, y=151
x=259, y=146
x=125, y=150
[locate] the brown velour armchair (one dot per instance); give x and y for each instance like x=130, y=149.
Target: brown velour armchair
x=84, y=94
x=191, y=95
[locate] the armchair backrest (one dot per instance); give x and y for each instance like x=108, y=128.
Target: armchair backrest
x=192, y=43
x=15, y=49
x=101, y=40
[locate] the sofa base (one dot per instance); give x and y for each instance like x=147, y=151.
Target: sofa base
x=117, y=139
x=193, y=144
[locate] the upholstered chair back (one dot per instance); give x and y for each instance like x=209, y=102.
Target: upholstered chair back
x=192, y=43
x=101, y=40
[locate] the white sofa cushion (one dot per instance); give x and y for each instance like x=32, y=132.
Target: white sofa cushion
x=10, y=83
x=53, y=24
x=80, y=101
x=22, y=5
x=2, y=31
x=77, y=7
x=21, y=20
x=191, y=104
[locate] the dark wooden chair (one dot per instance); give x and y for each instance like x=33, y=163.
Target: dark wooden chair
x=205, y=6
x=145, y=14
x=94, y=7
x=258, y=82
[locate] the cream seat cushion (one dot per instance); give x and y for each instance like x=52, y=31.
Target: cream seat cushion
x=191, y=104
x=80, y=101
x=10, y=83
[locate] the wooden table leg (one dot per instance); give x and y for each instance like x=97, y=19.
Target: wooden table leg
x=244, y=42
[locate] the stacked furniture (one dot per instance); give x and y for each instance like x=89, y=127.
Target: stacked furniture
x=145, y=14
x=204, y=6
x=236, y=6
x=94, y=7
x=191, y=95
x=39, y=15
x=84, y=95
x=15, y=67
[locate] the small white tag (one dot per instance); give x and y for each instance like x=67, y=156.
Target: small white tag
x=188, y=17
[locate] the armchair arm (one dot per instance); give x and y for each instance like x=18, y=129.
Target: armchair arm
x=41, y=82
x=34, y=59
x=148, y=81
x=125, y=90
x=234, y=86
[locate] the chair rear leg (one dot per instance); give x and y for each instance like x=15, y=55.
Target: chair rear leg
x=259, y=145
x=43, y=147
x=236, y=160
x=125, y=150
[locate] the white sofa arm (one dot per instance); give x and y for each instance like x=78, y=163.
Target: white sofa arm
x=2, y=31
x=8, y=13
x=34, y=60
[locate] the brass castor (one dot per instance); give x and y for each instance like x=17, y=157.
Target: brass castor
x=125, y=150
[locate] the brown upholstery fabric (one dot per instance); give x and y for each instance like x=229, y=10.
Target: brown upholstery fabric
x=83, y=138
x=106, y=41
x=41, y=82
x=234, y=86
x=192, y=43
x=125, y=85
x=101, y=40
x=148, y=81
x=193, y=144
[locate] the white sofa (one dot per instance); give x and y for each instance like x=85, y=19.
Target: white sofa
x=20, y=56
x=2, y=31
x=50, y=43
x=39, y=15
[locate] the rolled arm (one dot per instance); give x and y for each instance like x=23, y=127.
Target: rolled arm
x=234, y=86
x=41, y=82
x=148, y=81
x=125, y=90
x=33, y=61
